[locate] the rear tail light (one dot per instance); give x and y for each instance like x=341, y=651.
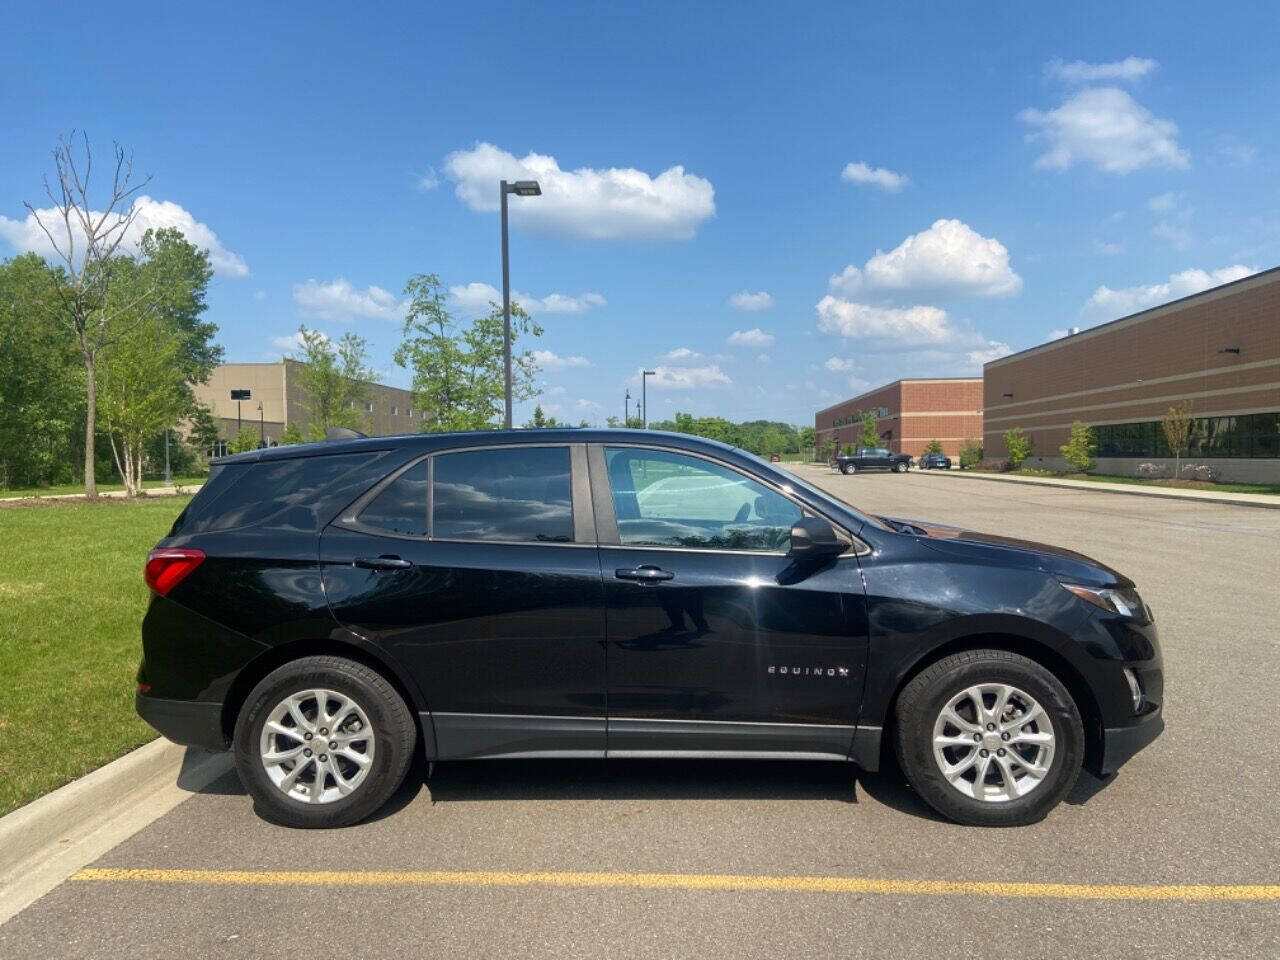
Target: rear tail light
x=166, y=568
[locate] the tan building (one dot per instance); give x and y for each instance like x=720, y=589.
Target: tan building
x=909, y=414
x=276, y=399
x=1219, y=350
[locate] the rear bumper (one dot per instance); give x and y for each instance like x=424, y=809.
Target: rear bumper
x=194, y=723
x=1121, y=743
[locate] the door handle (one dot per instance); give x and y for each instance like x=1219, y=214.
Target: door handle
x=646, y=573
x=381, y=563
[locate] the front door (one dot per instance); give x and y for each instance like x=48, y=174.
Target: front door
x=477, y=570
x=718, y=641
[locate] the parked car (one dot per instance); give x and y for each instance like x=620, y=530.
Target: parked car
x=330, y=611
x=872, y=458
x=934, y=461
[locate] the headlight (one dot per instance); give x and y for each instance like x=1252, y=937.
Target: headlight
x=1124, y=602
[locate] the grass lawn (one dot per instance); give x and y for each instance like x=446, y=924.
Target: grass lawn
x=73, y=598
x=62, y=489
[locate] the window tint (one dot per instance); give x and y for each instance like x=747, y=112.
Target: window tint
x=666, y=499
x=514, y=494
x=268, y=487
x=401, y=507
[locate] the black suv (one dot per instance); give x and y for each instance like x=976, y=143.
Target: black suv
x=327, y=610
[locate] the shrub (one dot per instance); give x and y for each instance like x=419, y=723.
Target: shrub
x=1079, y=448
x=1202, y=472
x=1152, y=471
x=933, y=446
x=970, y=454
x=1019, y=445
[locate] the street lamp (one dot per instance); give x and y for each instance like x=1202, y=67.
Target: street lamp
x=626, y=407
x=521, y=188
x=262, y=427
x=644, y=395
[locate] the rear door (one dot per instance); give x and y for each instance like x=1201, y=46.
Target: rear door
x=477, y=569
x=719, y=642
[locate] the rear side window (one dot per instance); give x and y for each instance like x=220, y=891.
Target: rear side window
x=514, y=494
x=401, y=507
x=269, y=487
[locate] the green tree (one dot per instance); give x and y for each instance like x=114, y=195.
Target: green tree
x=458, y=369
x=335, y=381
x=970, y=453
x=829, y=447
x=291, y=435
x=1177, y=432
x=1018, y=445
x=933, y=446
x=869, y=437
x=246, y=440
x=805, y=441
x=203, y=433
x=1080, y=447
x=538, y=420
x=41, y=379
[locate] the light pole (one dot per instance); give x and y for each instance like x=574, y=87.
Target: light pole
x=644, y=396
x=262, y=427
x=521, y=188
x=626, y=407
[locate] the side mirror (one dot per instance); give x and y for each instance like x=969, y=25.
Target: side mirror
x=813, y=538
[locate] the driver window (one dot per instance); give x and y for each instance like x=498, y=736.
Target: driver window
x=664, y=499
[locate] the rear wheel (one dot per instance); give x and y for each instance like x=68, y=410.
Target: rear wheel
x=900, y=466
x=323, y=742
x=848, y=468
x=989, y=738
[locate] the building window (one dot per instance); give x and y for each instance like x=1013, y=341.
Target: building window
x=368, y=408
x=395, y=410
x=1248, y=436
x=408, y=411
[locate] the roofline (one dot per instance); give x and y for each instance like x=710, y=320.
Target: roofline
x=1261, y=278
x=899, y=382
x=285, y=361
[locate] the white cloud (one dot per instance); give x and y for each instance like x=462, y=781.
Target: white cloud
x=689, y=378
x=1236, y=152
x=950, y=259
x=1107, y=128
x=293, y=342
x=429, y=179
x=26, y=234
x=680, y=353
x=476, y=297
x=549, y=360
x=755, y=337
x=888, y=180
x=1108, y=303
x=751, y=301
x=838, y=365
x=605, y=204
x=903, y=327
x=1128, y=69
x=338, y=301
x=1164, y=202
x=1178, y=234
x=993, y=350
x=762, y=358
x=1105, y=249
x=1057, y=334
x=260, y=295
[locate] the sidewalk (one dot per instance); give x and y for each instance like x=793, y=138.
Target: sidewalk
x=113, y=494
x=1264, y=500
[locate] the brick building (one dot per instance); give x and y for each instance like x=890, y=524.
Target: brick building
x=1219, y=349
x=277, y=400
x=909, y=413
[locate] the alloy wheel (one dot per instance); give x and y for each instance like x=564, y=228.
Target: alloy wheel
x=317, y=746
x=993, y=742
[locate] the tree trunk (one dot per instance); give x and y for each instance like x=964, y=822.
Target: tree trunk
x=90, y=417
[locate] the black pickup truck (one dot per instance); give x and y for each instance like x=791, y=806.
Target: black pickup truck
x=872, y=458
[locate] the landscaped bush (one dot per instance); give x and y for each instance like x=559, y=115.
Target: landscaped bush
x=1153, y=471
x=970, y=454
x=1200, y=471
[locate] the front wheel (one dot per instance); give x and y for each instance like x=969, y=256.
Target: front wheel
x=848, y=469
x=900, y=466
x=989, y=738
x=323, y=742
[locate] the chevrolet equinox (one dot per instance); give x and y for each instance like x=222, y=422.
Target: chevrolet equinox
x=328, y=610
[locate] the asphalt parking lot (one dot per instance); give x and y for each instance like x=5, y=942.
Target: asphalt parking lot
x=651, y=858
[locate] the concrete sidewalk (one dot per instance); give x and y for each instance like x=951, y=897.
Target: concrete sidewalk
x=1269, y=501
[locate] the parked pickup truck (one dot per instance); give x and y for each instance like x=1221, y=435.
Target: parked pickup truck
x=872, y=458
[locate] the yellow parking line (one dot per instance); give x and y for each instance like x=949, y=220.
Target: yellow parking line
x=682, y=881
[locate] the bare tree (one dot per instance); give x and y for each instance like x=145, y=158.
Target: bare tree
x=84, y=241
x=1177, y=427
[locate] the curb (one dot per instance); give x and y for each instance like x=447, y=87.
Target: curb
x=44, y=842
x=1102, y=487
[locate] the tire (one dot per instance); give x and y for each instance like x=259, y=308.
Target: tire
x=919, y=718
x=848, y=469
x=900, y=467
x=390, y=736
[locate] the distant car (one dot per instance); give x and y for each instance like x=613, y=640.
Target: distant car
x=934, y=461
x=872, y=458
x=774, y=458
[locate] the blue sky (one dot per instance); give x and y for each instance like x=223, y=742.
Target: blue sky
x=915, y=188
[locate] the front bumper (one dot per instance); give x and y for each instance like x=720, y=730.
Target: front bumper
x=1121, y=743
x=195, y=723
